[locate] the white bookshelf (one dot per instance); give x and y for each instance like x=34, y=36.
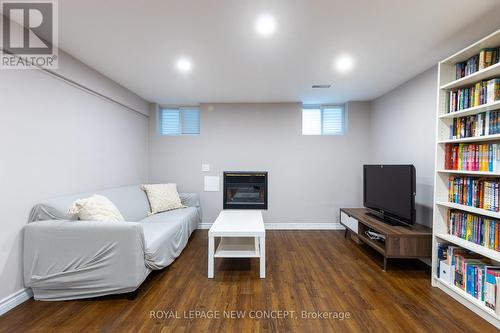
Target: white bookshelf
x=447, y=82
x=472, y=111
x=469, y=209
x=472, y=173
x=493, y=137
x=479, y=249
x=479, y=307
x=483, y=74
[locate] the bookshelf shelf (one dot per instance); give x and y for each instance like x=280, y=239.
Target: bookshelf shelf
x=483, y=74
x=479, y=307
x=492, y=40
x=473, y=139
x=472, y=173
x=447, y=81
x=479, y=249
x=470, y=209
x=471, y=111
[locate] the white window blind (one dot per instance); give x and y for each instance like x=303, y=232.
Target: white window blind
x=327, y=120
x=184, y=121
x=311, y=121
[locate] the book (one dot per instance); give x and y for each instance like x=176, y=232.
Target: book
x=485, y=123
x=472, y=157
x=467, y=67
x=497, y=307
x=474, y=228
x=483, y=92
x=491, y=286
x=473, y=274
x=493, y=90
x=448, y=150
x=487, y=57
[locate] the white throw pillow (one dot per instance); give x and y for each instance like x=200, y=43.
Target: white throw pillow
x=162, y=197
x=96, y=208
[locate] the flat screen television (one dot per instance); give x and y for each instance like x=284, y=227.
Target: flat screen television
x=389, y=191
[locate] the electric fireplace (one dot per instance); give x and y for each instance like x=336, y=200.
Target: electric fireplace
x=245, y=190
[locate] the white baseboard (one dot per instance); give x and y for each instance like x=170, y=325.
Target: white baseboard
x=291, y=226
x=304, y=226
x=11, y=301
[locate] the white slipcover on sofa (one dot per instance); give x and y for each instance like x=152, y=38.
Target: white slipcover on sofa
x=65, y=258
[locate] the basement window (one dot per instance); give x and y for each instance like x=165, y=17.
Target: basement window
x=323, y=120
x=180, y=121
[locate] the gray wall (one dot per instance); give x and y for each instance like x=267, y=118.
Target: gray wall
x=56, y=139
x=402, y=130
x=310, y=177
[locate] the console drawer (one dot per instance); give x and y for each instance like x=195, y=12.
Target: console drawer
x=349, y=222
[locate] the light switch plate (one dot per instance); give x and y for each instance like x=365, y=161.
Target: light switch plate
x=205, y=167
x=211, y=183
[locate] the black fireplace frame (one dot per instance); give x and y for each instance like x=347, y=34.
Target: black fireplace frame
x=246, y=206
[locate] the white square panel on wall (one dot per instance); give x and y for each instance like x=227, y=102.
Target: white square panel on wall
x=211, y=183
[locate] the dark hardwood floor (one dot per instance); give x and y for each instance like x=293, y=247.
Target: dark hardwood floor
x=306, y=271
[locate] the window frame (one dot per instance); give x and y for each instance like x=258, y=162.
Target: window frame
x=322, y=108
x=180, y=109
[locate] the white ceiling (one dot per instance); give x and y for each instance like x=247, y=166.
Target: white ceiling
x=137, y=44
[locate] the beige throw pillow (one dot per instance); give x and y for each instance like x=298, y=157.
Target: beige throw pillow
x=162, y=197
x=96, y=208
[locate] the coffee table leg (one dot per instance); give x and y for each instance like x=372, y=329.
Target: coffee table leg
x=211, y=257
x=262, y=257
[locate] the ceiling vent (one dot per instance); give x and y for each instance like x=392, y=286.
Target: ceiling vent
x=321, y=86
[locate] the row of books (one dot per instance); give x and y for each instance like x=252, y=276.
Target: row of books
x=485, y=123
x=474, y=228
x=472, y=157
x=474, y=192
x=470, y=272
x=485, y=58
x=484, y=92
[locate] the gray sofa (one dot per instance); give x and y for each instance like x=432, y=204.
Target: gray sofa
x=69, y=259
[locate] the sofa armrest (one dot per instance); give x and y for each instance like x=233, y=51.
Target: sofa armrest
x=77, y=259
x=192, y=200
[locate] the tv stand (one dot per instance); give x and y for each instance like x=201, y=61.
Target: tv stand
x=400, y=241
x=387, y=221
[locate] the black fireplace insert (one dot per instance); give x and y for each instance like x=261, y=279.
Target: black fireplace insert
x=245, y=190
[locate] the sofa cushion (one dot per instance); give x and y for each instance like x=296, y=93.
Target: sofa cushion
x=96, y=208
x=166, y=234
x=162, y=197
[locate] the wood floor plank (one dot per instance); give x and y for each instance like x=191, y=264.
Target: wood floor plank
x=312, y=271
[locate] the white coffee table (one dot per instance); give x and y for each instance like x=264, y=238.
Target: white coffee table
x=242, y=236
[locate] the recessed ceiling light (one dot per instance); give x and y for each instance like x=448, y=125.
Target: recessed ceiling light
x=344, y=63
x=265, y=25
x=184, y=65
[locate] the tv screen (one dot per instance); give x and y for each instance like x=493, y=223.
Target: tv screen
x=390, y=190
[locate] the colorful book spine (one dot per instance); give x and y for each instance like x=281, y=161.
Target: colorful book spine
x=487, y=57
x=474, y=192
x=486, y=123
x=472, y=157
x=493, y=90
x=490, y=286
x=483, y=92
x=474, y=228
x=473, y=273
